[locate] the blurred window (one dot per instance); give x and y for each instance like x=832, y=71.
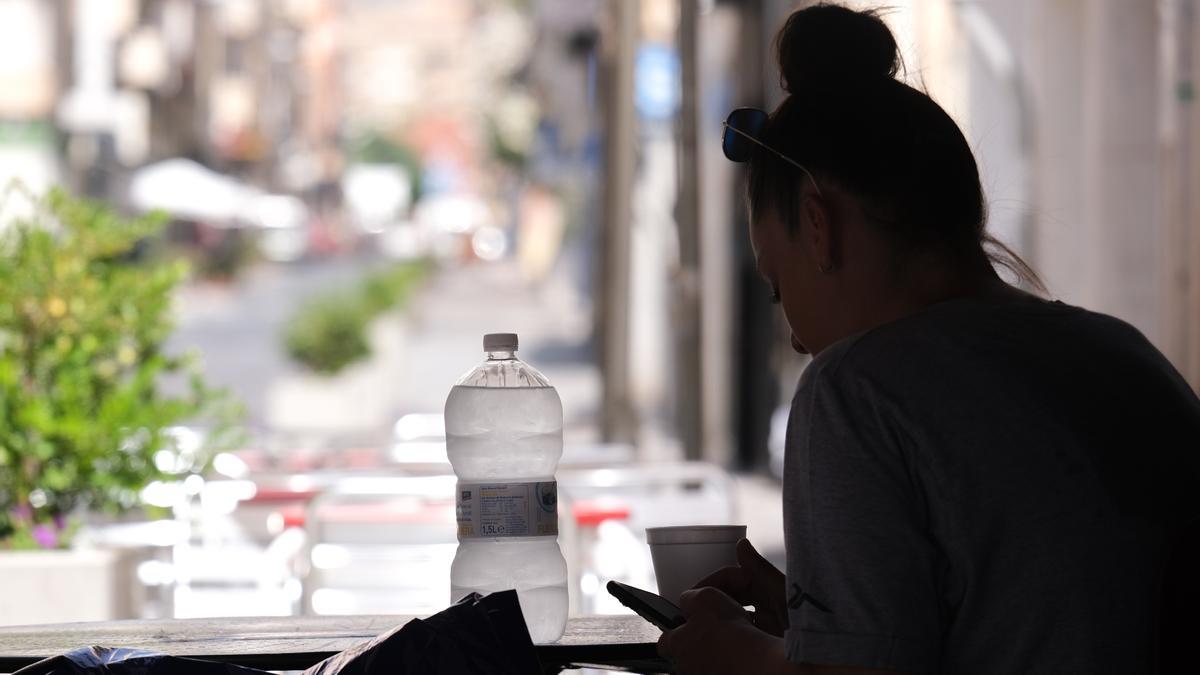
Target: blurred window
x=235, y=56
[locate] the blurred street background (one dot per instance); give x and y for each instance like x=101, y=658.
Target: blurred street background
x=545, y=167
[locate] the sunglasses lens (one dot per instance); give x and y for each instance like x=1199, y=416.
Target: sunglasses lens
x=748, y=121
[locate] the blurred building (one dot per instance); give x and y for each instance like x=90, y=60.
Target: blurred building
x=430, y=75
x=246, y=87
x=29, y=88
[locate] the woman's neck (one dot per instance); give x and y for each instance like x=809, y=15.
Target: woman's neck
x=922, y=282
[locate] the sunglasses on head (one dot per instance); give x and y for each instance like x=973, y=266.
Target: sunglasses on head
x=742, y=129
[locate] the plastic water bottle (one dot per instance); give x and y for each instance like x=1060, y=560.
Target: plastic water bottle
x=504, y=440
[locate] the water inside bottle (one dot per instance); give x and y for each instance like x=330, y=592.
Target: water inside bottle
x=509, y=434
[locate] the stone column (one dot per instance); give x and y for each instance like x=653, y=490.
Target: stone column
x=1120, y=163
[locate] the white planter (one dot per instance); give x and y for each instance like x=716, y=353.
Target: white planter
x=64, y=586
x=360, y=398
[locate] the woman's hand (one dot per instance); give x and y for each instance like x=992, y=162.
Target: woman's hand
x=757, y=583
x=719, y=638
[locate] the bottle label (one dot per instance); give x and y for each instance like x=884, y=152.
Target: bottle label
x=489, y=510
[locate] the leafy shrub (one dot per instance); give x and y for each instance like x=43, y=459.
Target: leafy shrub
x=230, y=252
x=328, y=334
x=83, y=410
x=392, y=287
x=330, y=331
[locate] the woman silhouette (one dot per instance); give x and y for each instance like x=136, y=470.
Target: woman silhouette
x=978, y=480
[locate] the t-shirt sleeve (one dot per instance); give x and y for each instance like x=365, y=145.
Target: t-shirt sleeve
x=862, y=572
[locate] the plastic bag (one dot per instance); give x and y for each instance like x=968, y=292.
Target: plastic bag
x=483, y=635
x=122, y=661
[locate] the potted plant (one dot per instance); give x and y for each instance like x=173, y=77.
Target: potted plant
x=348, y=340
x=87, y=393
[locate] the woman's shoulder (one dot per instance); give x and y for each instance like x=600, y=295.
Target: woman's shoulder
x=966, y=332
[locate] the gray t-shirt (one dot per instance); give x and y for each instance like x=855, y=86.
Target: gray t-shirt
x=988, y=486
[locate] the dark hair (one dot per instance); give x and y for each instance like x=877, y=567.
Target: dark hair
x=850, y=122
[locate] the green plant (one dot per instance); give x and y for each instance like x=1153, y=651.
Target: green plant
x=392, y=287
x=83, y=407
x=230, y=252
x=329, y=332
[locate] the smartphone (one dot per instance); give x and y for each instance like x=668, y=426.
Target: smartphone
x=653, y=608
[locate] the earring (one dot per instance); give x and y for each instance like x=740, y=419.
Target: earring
x=825, y=270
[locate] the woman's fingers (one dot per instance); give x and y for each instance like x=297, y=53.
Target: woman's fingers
x=664, y=644
x=749, y=557
x=735, y=581
x=767, y=578
x=749, y=581
x=710, y=601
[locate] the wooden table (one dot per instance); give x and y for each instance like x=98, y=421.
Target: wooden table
x=624, y=643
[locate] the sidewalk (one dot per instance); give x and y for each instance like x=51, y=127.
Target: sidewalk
x=446, y=324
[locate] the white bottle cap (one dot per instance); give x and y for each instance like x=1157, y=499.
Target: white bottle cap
x=500, y=342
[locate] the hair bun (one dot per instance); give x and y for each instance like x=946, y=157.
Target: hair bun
x=831, y=44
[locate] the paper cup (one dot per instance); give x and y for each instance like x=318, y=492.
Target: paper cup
x=684, y=555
